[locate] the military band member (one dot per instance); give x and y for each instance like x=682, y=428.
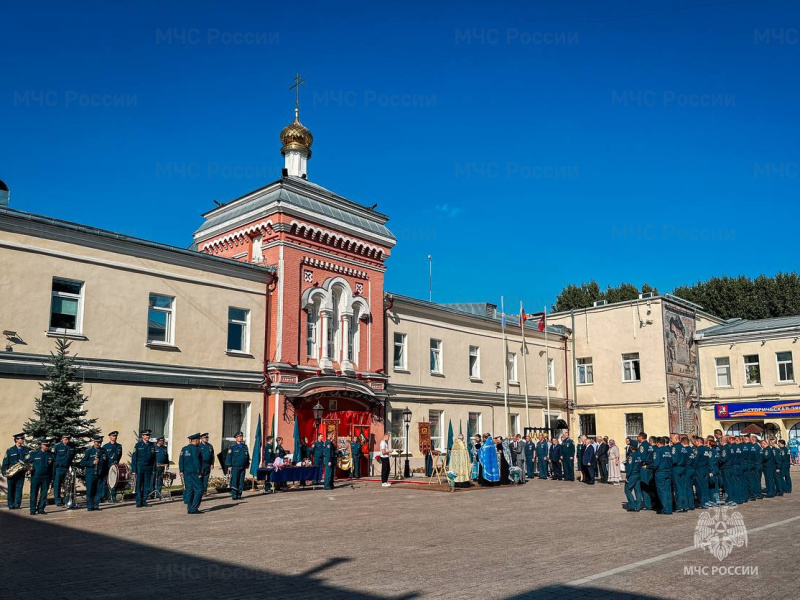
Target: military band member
x=41, y=476
x=94, y=459
x=63, y=454
x=162, y=458
x=207, y=455
x=143, y=462
x=114, y=455
x=190, y=465
x=237, y=460
x=633, y=487
x=329, y=461
x=16, y=454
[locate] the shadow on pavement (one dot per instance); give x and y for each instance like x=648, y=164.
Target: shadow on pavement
x=563, y=592
x=101, y=566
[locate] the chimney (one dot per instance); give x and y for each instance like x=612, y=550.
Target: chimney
x=5, y=194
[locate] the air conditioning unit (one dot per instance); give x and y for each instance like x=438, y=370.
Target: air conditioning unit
x=600, y=303
x=646, y=295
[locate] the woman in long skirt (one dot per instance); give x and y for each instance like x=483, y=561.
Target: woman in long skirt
x=613, y=463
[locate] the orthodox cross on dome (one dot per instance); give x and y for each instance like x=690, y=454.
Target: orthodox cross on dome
x=296, y=87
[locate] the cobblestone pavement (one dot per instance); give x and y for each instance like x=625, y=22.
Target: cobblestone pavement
x=546, y=539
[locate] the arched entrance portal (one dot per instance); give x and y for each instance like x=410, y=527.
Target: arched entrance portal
x=344, y=413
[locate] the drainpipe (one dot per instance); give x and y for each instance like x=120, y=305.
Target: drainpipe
x=267, y=332
x=574, y=359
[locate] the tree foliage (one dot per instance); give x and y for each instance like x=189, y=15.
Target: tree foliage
x=726, y=297
x=59, y=410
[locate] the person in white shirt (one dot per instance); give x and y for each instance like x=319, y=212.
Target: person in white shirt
x=384, y=449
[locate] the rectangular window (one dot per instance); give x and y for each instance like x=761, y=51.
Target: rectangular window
x=234, y=419
x=66, y=306
x=513, y=424
x=630, y=367
x=156, y=415
x=400, y=358
x=238, y=329
x=511, y=365
x=752, y=370
x=436, y=356
x=474, y=362
x=551, y=373
x=588, y=426
x=397, y=430
x=551, y=420
x=160, y=319
x=634, y=424
x=475, y=423
x=584, y=373
x=723, y=366
x=785, y=367
x=435, y=417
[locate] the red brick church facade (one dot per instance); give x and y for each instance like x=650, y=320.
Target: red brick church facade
x=324, y=340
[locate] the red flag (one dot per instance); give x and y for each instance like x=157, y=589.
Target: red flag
x=541, y=323
x=523, y=317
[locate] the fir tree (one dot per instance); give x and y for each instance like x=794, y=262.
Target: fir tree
x=59, y=410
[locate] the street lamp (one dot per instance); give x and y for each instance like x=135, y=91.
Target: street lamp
x=407, y=421
x=318, y=410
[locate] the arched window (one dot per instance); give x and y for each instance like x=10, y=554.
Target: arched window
x=737, y=428
x=312, y=329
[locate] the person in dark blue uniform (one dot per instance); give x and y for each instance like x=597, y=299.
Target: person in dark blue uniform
x=41, y=475
x=714, y=475
x=207, y=455
x=530, y=450
x=702, y=471
x=776, y=478
x=542, y=455
x=737, y=479
x=237, y=460
x=649, y=497
x=783, y=467
x=317, y=452
x=633, y=484
x=113, y=452
x=17, y=453
x=758, y=464
x=143, y=462
x=190, y=466
x=162, y=458
x=329, y=461
x=749, y=467
x=724, y=461
x=555, y=456
x=63, y=453
x=587, y=460
x=663, y=468
x=678, y=472
x=355, y=455
x=94, y=459
x=568, y=457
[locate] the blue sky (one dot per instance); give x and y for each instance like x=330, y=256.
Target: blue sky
x=525, y=145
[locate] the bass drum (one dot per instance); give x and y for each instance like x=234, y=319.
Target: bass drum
x=118, y=476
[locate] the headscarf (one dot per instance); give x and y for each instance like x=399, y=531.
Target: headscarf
x=487, y=455
x=611, y=443
x=459, y=461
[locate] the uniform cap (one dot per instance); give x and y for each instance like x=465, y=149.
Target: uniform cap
x=113, y=433
x=204, y=435
x=45, y=441
x=161, y=439
x=238, y=433
x=145, y=432
x=65, y=435
x=194, y=436
x=19, y=436
x=97, y=438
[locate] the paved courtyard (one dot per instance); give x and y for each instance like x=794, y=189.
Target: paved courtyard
x=545, y=539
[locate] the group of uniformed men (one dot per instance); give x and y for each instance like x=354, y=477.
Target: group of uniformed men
x=322, y=453
x=684, y=473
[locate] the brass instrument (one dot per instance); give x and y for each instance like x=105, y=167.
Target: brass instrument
x=69, y=487
x=14, y=469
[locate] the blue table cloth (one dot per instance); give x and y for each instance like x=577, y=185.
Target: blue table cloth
x=290, y=474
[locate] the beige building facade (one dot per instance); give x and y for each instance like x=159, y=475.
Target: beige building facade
x=166, y=338
x=749, y=376
x=635, y=367
x=447, y=365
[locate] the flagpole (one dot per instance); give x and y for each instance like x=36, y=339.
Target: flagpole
x=524, y=362
x=505, y=361
x=547, y=373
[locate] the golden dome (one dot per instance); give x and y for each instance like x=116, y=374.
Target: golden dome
x=296, y=136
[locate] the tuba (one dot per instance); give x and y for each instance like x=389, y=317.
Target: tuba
x=69, y=488
x=16, y=468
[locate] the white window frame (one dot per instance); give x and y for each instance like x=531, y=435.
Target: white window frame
x=511, y=367
x=748, y=365
x=441, y=438
x=170, y=414
x=781, y=363
x=476, y=372
x=586, y=368
x=478, y=422
x=402, y=343
x=551, y=373
x=312, y=332
x=439, y=354
x=245, y=426
x=724, y=370
x=67, y=296
x=630, y=362
x=513, y=424
x=170, y=329
x=245, y=332
x=393, y=444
